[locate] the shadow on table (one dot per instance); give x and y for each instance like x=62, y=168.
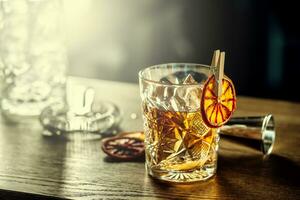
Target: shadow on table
x=247, y=176
x=114, y=160
x=257, y=177
x=12, y=195
x=284, y=170
x=276, y=168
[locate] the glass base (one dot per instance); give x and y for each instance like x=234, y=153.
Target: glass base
x=188, y=176
x=18, y=112
x=59, y=120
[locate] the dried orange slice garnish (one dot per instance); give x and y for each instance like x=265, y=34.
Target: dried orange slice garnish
x=217, y=111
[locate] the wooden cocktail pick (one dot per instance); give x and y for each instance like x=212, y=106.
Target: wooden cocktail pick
x=215, y=58
x=218, y=62
x=219, y=74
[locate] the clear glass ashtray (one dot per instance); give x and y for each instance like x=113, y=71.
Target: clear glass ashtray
x=62, y=120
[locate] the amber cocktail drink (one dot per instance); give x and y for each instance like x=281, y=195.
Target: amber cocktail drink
x=179, y=146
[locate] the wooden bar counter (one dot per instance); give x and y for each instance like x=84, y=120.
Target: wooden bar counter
x=33, y=166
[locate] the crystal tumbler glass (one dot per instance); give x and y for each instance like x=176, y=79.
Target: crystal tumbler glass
x=179, y=146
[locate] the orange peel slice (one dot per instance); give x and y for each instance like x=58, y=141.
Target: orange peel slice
x=217, y=111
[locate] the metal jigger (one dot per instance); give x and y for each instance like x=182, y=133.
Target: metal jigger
x=255, y=132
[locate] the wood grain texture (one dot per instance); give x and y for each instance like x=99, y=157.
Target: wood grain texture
x=31, y=163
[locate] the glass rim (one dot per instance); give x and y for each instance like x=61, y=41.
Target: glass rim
x=172, y=84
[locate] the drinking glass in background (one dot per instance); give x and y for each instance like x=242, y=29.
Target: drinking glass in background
x=179, y=146
x=32, y=56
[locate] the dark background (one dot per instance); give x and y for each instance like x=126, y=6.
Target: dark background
x=115, y=39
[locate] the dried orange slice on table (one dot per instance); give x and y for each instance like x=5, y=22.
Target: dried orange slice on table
x=216, y=111
x=123, y=148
